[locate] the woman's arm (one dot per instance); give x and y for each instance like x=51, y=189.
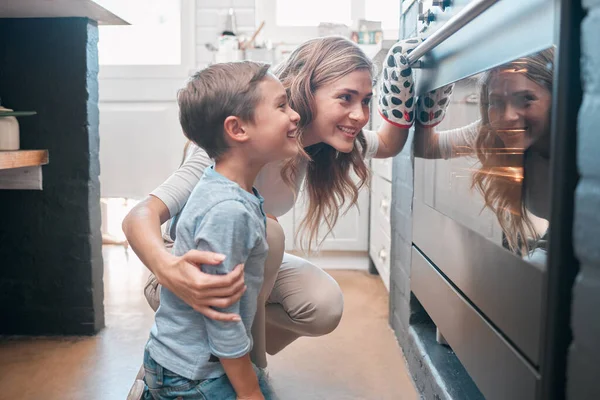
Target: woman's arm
x=427, y=142
x=142, y=229
x=430, y=143
x=391, y=140
x=181, y=275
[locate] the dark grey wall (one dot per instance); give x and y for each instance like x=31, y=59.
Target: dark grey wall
x=583, y=374
x=50, y=242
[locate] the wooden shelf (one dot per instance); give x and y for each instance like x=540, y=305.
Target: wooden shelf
x=59, y=9
x=22, y=158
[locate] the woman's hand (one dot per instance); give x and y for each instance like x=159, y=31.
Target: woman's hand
x=431, y=107
x=396, y=100
x=182, y=276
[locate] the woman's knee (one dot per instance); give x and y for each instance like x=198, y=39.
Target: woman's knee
x=323, y=303
x=329, y=311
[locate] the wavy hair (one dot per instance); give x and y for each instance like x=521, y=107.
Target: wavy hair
x=500, y=178
x=328, y=181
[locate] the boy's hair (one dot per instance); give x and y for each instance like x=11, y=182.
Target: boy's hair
x=215, y=93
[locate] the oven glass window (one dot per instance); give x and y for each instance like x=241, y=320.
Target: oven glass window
x=491, y=156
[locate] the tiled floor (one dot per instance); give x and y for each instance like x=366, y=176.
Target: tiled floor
x=360, y=360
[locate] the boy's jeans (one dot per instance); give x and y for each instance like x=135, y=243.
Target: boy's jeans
x=162, y=384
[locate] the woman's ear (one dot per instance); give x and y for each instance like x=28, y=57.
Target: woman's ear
x=234, y=129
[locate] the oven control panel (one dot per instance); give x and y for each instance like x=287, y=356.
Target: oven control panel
x=434, y=13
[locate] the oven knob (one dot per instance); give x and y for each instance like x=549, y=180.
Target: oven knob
x=442, y=3
x=427, y=17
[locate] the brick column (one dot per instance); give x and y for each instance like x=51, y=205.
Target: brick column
x=50, y=242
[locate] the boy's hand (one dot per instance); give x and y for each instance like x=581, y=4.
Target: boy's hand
x=203, y=291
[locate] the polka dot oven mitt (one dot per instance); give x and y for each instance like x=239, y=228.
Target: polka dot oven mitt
x=431, y=107
x=396, y=100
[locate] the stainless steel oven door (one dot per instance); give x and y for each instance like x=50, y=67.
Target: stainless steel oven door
x=482, y=190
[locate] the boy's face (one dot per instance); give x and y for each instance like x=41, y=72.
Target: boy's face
x=273, y=132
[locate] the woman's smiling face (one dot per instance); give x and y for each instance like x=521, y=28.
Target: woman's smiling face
x=341, y=110
x=519, y=109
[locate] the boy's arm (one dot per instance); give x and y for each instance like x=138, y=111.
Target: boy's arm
x=228, y=228
x=242, y=377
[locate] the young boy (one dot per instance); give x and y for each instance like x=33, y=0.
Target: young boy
x=239, y=114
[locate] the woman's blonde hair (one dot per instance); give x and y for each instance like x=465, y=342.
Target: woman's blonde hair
x=500, y=178
x=312, y=65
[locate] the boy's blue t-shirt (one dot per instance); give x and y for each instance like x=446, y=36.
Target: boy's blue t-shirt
x=223, y=218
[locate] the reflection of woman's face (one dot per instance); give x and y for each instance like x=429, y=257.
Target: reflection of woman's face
x=518, y=109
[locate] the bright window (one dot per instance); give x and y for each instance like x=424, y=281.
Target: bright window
x=313, y=12
x=293, y=21
x=153, y=38
x=386, y=11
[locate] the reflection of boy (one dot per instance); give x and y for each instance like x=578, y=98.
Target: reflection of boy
x=239, y=114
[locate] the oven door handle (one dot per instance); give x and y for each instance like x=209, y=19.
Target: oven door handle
x=462, y=18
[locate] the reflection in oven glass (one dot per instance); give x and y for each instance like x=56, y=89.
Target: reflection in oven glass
x=493, y=151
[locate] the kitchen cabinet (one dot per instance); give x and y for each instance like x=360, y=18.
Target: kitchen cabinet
x=349, y=234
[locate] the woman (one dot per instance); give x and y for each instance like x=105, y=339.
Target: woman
x=329, y=83
x=511, y=142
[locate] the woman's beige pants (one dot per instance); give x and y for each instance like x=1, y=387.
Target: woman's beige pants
x=300, y=300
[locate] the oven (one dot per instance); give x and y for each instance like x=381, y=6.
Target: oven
x=482, y=186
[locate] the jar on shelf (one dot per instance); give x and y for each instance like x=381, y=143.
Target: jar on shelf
x=9, y=131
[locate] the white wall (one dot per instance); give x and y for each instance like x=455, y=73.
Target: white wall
x=138, y=104
x=210, y=20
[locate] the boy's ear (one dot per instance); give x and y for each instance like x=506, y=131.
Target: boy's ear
x=234, y=129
